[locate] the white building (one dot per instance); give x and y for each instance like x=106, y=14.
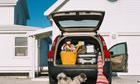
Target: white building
x=121, y=24
x=13, y=12
x=20, y=53
x=121, y=21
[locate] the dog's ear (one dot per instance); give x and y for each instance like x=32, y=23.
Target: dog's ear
x=57, y=77
x=60, y=75
x=83, y=75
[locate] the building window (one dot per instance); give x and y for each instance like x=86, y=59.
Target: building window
x=21, y=46
x=112, y=0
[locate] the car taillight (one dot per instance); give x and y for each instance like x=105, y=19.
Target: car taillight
x=106, y=52
x=103, y=41
x=51, y=53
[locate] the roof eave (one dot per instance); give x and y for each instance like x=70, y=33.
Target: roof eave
x=55, y=7
x=7, y=5
x=46, y=32
x=13, y=32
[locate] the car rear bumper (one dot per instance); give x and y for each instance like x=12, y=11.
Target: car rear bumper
x=90, y=71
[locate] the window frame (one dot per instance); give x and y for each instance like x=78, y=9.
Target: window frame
x=14, y=46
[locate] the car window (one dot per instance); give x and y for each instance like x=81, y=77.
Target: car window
x=118, y=49
x=79, y=23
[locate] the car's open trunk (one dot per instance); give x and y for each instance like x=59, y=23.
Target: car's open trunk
x=84, y=57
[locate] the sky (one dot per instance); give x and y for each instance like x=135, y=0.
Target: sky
x=36, y=10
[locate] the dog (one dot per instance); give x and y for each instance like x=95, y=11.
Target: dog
x=79, y=79
x=63, y=79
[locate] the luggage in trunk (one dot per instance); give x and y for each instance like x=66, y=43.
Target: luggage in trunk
x=86, y=59
x=69, y=57
x=83, y=56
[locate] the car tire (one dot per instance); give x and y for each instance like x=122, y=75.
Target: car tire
x=52, y=80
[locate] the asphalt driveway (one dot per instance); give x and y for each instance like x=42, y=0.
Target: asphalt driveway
x=126, y=80
x=116, y=80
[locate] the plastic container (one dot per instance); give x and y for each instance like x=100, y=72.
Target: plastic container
x=69, y=58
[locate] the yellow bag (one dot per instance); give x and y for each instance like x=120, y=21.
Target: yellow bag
x=69, y=58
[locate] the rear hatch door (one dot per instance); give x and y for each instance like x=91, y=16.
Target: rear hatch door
x=78, y=21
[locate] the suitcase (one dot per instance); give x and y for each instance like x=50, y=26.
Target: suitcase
x=86, y=59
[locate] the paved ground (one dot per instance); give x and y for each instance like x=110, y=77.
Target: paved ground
x=126, y=80
x=116, y=80
x=14, y=80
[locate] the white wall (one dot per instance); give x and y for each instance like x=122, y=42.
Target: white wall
x=8, y=60
x=10, y=14
x=133, y=43
x=120, y=16
x=6, y=15
x=55, y=32
x=133, y=46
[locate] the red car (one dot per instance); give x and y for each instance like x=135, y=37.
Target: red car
x=83, y=26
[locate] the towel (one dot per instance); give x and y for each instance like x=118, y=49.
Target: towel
x=101, y=79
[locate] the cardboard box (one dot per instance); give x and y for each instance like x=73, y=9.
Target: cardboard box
x=90, y=48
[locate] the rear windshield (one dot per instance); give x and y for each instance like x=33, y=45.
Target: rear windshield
x=79, y=23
